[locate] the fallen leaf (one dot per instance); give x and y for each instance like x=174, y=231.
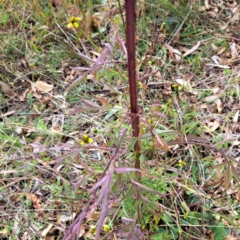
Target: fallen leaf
x=206, y=2
x=4, y=231
x=43, y=87
x=56, y=4
x=52, y=237
x=174, y=54
x=235, y=119
x=219, y=66
x=24, y=95
x=35, y=200
x=89, y=235
x=7, y=90
x=215, y=126
x=159, y=142
x=227, y=178
x=210, y=98
x=46, y=230
x=219, y=105
x=194, y=48
x=103, y=101
x=234, y=50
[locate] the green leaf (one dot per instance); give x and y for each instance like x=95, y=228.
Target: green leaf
x=219, y=232
x=41, y=125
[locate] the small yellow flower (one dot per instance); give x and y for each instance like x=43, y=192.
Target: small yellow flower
x=106, y=228
x=186, y=215
x=73, y=22
x=177, y=87
x=181, y=163
x=93, y=230
x=180, y=230
x=86, y=139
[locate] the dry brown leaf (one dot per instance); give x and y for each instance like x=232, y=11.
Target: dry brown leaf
x=215, y=90
x=159, y=142
x=227, y=178
x=82, y=230
x=66, y=218
x=56, y=3
x=235, y=18
x=219, y=105
x=234, y=50
x=231, y=237
x=43, y=87
x=235, y=173
x=235, y=119
x=94, y=216
x=5, y=89
x=176, y=38
x=5, y=231
x=89, y=235
x=215, y=126
x=46, y=230
x=206, y=2
x=35, y=200
x=52, y=237
x=158, y=76
x=210, y=98
x=24, y=95
x=103, y=101
x=36, y=95
x=174, y=54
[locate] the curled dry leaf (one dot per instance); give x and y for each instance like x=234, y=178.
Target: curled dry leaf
x=194, y=48
x=5, y=89
x=174, y=54
x=159, y=142
x=24, y=95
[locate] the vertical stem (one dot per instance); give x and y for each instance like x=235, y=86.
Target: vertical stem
x=130, y=6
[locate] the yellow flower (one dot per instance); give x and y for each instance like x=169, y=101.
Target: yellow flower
x=180, y=231
x=181, y=163
x=93, y=230
x=73, y=22
x=106, y=228
x=86, y=139
x=177, y=87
